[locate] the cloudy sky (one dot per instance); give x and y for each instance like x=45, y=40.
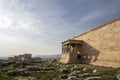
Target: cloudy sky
x=39, y=26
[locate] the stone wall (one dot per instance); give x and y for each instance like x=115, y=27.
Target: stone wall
x=102, y=45
x=65, y=58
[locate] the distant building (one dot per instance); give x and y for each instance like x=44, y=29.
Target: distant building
x=24, y=57
x=100, y=46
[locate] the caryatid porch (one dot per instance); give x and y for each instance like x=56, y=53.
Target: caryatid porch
x=71, y=50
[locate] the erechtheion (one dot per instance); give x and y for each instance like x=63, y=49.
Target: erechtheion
x=100, y=46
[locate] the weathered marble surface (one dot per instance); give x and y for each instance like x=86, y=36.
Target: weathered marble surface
x=101, y=45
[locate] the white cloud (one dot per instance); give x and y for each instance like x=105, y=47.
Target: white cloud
x=99, y=12
x=20, y=28
x=38, y=26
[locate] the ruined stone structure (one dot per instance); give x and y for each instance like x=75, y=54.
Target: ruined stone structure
x=100, y=46
x=24, y=57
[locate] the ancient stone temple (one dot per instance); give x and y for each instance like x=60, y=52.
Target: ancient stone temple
x=100, y=46
x=24, y=57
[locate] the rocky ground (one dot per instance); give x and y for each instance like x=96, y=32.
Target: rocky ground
x=57, y=71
